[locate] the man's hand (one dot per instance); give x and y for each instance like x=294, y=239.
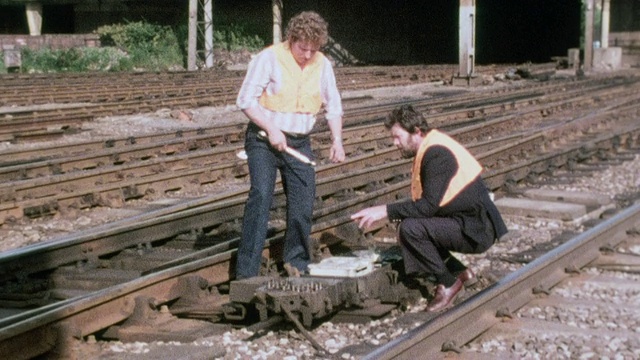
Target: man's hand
x=336, y=154
x=277, y=140
x=274, y=135
x=368, y=216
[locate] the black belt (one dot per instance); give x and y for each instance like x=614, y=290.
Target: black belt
x=295, y=136
x=255, y=128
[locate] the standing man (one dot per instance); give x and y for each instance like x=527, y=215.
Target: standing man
x=285, y=87
x=450, y=208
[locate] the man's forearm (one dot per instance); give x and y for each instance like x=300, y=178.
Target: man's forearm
x=254, y=115
x=335, y=126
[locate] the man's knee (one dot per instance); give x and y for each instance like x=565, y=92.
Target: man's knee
x=261, y=194
x=410, y=229
x=480, y=248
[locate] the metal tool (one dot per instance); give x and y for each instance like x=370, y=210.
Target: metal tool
x=295, y=153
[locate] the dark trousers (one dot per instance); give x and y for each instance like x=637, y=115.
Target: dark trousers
x=298, y=180
x=426, y=244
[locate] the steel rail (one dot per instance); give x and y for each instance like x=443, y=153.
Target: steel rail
x=226, y=134
x=29, y=185
x=78, y=315
x=200, y=213
x=122, y=90
x=39, y=196
x=472, y=317
x=80, y=323
x=125, y=106
x=126, y=91
x=13, y=260
x=73, y=114
x=493, y=178
x=116, y=156
x=324, y=220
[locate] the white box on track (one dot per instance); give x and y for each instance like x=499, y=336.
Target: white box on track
x=341, y=266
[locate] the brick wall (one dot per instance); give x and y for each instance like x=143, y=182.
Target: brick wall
x=51, y=41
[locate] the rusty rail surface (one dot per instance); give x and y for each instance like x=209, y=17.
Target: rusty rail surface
x=78, y=318
x=450, y=330
x=110, y=94
x=517, y=156
x=172, y=165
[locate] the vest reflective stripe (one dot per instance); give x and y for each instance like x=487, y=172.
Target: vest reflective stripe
x=468, y=167
x=300, y=91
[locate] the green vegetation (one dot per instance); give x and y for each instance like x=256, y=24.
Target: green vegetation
x=74, y=60
x=234, y=37
x=134, y=46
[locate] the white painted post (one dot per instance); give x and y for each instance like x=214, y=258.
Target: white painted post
x=208, y=33
x=193, y=35
x=34, y=18
x=467, y=20
x=277, y=20
x=588, y=35
x=606, y=15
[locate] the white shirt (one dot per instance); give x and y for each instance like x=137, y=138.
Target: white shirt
x=264, y=73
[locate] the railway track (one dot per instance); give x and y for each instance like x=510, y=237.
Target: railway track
x=590, y=262
x=332, y=175
x=143, y=169
x=122, y=301
x=80, y=316
x=80, y=98
x=194, y=240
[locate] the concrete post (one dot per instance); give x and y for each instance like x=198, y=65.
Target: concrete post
x=588, y=35
x=606, y=15
x=12, y=58
x=277, y=20
x=208, y=33
x=467, y=38
x=193, y=35
x=573, y=55
x=34, y=18
x=606, y=58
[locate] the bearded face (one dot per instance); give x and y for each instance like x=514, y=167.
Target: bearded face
x=407, y=153
x=405, y=142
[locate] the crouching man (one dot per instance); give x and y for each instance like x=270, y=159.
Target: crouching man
x=450, y=208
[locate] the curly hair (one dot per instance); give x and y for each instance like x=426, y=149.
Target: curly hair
x=308, y=26
x=408, y=118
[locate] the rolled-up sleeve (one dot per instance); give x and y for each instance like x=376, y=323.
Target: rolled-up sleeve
x=255, y=81
x=330, y=94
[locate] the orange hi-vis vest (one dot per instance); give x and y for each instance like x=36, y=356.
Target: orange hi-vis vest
x=300, y=92
x=468, y=167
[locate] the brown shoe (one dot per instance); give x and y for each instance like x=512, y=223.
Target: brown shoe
x=445, y=296
x=467, y=277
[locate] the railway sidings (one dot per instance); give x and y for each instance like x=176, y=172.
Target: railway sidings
x=178, y=195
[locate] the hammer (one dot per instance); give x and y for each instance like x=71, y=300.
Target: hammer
x=293, y=152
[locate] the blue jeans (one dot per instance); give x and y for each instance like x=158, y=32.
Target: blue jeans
x=299, y=183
